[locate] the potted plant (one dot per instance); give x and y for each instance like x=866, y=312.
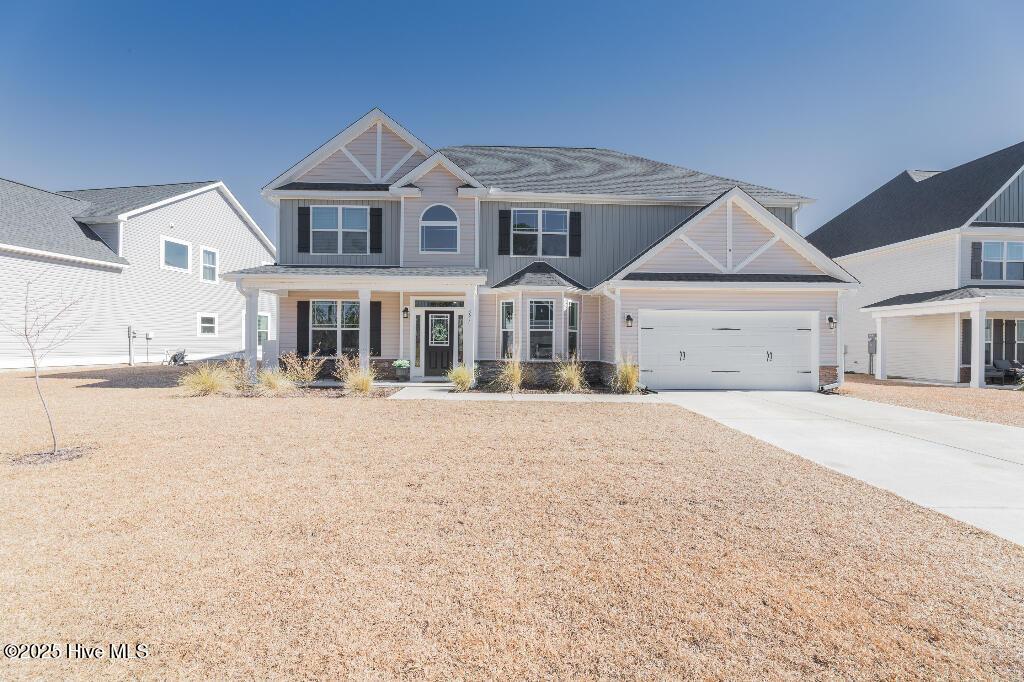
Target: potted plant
x=401, y=369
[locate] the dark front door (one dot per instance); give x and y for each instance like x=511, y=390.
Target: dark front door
x=440, y=342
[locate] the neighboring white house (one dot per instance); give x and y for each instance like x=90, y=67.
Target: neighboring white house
x=940, y=255
x=149, y=258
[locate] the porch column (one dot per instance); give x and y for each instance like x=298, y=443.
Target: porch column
x=364, y=329
x=401, y=325
x=271, y=347
x=881, y=352
x=252, y=310
x=978, y=348
x=469, y=330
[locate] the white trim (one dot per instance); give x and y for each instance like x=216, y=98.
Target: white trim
x=163, y=264
x=401, y=232
x=540, y=232
x=199, y=326
x=202, y=265
x=25, y=251
x=728, y=235
x=344, y=137
x=908, y=243
x=751, y=286
x=285, y=282
x=357, y=164
x=434, y=160
x=476, y=232
x=441, y=223
x=379, y=134
x=701, y=252
x=764, y=247
x=986, y=303
x=530, y=329
x=408, y=155
x=697, y=200
x=270, y=323
x=501, y=329
x=361, y=195
x=569, y=303
x=338, y=328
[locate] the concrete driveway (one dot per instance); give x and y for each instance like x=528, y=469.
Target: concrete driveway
x=970, y=470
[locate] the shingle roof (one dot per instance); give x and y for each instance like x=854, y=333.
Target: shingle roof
x=361, y=271
x=724, y=277
x=950, y=295
x=109, y=201
x=36, y=219
x=539, y=274
x=592, y=170
x=918, y=203
x=337, y=186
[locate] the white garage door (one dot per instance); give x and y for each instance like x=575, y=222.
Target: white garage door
x=687, y=349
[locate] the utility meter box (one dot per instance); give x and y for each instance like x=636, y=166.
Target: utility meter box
x=872, y=344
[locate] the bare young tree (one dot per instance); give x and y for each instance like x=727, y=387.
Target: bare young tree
x=44, y=328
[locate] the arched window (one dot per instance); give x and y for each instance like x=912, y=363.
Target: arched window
x=439, y=230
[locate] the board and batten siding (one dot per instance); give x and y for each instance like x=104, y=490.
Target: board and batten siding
x=288, y=230
x=922, y=347
x=438, y=186
x=152, y=299
x=632, y=301
x=928, y=265
x=1008, y=206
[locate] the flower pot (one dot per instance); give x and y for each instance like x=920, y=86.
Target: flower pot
x=402, y=373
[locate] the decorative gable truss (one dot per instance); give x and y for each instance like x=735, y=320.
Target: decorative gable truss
x=732, y=235
x=373, y=150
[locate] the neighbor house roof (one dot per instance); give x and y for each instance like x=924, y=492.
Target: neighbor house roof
x=724, y=277
x=949, y=295
x=112, y=201
x=918, y=203
x=592, y=170
x=539, y=274
x=38, y=220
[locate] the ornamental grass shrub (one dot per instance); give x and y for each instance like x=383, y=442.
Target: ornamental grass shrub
x=461, y=377
x=571, y=376
x=302, y=371
x=207, y=378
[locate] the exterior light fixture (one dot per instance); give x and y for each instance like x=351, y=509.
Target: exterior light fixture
x=405, y=313
x=831, y=322
x=629, y=320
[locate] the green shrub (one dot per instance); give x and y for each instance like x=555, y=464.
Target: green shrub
x=571, y=377
x=627, y=377
x=207, y=379
x=302, y=371
x=462, y=377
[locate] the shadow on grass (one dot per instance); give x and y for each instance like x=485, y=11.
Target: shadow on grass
x=153, y=376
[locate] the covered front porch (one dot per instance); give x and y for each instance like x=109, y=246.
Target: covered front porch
x=377, y=315
x=972, y=336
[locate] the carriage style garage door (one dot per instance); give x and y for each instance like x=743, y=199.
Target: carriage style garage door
x=768, y=350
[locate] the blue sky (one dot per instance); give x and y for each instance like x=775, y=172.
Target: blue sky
x=828, y=100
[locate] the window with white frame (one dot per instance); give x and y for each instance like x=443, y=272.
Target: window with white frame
x=262, y=328
x=572, y=329
x=540, y=232
x=340, y=229
x=334, y=327
x=439, y=230
x=988, y=342
x=542, y=330
x=174, y=254
x=508, y=329
x=1019, y=341
x=206, y=325
x=209, y=261
x=1002, y=260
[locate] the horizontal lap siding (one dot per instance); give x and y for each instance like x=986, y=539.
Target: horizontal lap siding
x=922, y=347
x=608, y=322
x=364, y=148
x=748, y=235
x=288, y=232
x=487, y=327
x=440, y=187
x=634, y=301
x=710, y=233
x=335, y=168
x=780, y=258
x=677, y=257
x=590, y=327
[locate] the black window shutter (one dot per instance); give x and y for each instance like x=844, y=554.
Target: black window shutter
x=975, y=260
x=302, y=328
x=1009, y=339
x=376, y=230
x=965, y=342
x=504, y=232
x=375, y=329
x=997, y=336
x=304, y=231
x=575, y=233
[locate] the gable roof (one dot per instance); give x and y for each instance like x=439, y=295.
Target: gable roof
x=34, y=220
x=918, y=203
x=963, y=293
x=593, y=170
x=113, y=201
x=539, y=274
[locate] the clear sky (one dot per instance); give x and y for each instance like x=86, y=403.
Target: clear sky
x=825, y=99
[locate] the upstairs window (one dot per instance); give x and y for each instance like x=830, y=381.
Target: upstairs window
x=340, y=229
x=1002, y=260
x=542, y=330
x=209, y=271
x=540, y=232
x=439, y=230
x=508, y=329
x=175, y=255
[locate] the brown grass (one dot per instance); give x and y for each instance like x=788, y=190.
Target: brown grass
x=263, y=537
x=990, y=405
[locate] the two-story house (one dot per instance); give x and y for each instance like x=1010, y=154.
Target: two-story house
x=146, y=260
x=941, y=258
x=476, y=254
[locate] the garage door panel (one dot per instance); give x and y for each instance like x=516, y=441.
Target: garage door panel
x=728, y=350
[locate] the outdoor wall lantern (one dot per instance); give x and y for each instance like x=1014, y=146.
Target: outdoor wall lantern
x=831, y=322
x=629, y=320
x=405, y=313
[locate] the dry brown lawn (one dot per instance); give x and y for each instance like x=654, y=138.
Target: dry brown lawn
x=328, y=537
x=985, y=404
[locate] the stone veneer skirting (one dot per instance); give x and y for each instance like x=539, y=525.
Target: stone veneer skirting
x=965, y=375
x=542, y=374
x=828, y=374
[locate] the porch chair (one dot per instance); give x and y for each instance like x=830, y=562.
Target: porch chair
x=1007, y=367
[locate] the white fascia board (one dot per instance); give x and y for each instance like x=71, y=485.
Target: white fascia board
x=522, y=287
x=497, y=194
x=986, y=303
x=751, y=286
x=431, y=162
x=998, y=233
x=350, y=282
x=51, y=255
x=169, y=200
x=384, y=195
x=880, y=250
x=344, y=137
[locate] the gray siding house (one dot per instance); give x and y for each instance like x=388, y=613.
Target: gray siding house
x=149, y=258
x=474, y=255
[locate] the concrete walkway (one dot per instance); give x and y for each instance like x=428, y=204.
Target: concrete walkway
x=970, y=470
x=444, y=392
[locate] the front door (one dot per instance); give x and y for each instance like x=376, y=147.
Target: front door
x=440, y=342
